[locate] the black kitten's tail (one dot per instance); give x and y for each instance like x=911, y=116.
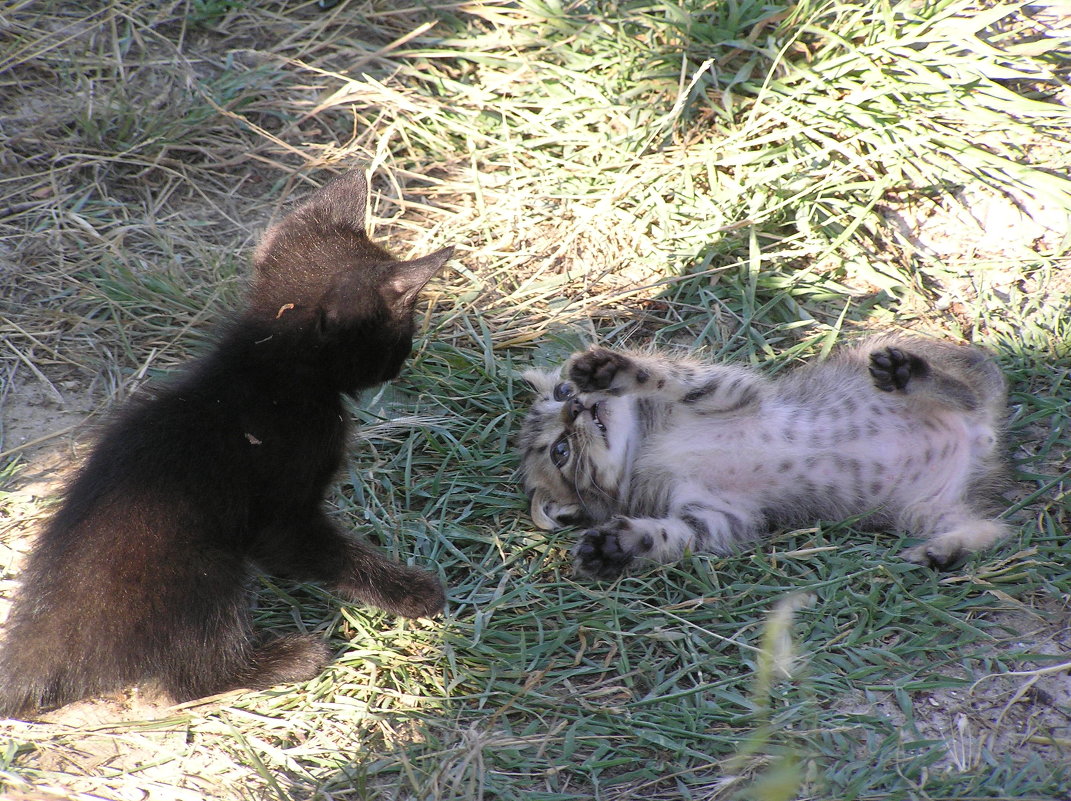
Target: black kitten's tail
x=15, y=699
x=27, y=686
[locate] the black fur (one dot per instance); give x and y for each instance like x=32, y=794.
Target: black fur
x=142, y=573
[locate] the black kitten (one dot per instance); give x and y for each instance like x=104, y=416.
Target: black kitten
x=142, y=573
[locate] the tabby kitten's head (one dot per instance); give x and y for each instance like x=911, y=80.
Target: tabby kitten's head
x=575, y=452
x=330, y=300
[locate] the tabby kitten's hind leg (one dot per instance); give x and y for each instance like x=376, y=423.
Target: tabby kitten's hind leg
x=961, y=538
x=894, y=369
x=963, y=381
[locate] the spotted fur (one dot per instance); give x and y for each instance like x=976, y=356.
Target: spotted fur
x=658, y=456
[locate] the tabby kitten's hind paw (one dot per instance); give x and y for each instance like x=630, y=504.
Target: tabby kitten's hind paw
x=948, y=548
x=892, y=369
x=935, y=555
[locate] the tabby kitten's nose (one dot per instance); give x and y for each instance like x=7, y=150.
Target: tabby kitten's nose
x=572, y=409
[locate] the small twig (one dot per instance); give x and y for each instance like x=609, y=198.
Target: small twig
x=34, y=369
x=1036, y=672
x=52, y=435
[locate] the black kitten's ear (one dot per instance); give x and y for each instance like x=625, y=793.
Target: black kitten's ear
x=339, y=204
x=342, y=202
x=407, y=278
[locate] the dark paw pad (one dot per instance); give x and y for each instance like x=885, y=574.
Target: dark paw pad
x=600, y=553
x=595, y=369
x=939, y=557
x=892, y=369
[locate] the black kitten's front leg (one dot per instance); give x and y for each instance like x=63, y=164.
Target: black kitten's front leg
x=371, y=577
x=313, y=549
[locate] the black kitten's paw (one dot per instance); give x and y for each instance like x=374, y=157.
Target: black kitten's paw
x=892, y=369
x=595, y=369
x=607, y=551
x=424, y=595
x=287, y=659
x=398, y=589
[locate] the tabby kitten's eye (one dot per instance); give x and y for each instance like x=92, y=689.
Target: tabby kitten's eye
x=563, y=391
x=559, y=452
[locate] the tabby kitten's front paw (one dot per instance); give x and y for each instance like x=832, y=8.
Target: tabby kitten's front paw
x=607, y=551
x=594, y=370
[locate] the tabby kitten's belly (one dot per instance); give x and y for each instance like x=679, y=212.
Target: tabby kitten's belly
x=833, y=467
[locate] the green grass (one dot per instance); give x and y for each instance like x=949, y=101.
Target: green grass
x=717, y=177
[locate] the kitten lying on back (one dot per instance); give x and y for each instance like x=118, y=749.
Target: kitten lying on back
x=142, y=573
x=661, y=456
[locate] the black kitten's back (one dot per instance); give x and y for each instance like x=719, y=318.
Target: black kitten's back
x=145, y=561
x=141, y=575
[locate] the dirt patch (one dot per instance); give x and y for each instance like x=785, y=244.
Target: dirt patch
x=1023, y=709
x=38, y=417
x=977, y=222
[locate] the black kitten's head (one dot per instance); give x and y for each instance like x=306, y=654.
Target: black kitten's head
x=322, y=287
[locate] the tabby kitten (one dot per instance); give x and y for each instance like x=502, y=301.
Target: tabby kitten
x=660, y=456
x=141, y=576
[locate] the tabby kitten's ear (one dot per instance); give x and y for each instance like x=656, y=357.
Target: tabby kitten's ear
x=542, y=382
x=550, y=515
x=539, y=511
